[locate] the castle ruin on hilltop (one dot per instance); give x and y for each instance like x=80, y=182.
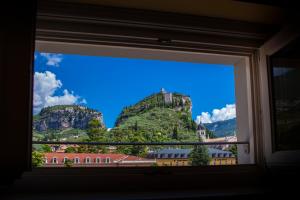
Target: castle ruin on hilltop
x=168, y=96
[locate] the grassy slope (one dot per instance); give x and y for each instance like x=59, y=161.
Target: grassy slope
x=157, y=124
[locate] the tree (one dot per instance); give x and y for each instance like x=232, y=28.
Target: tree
x=46, y=148
x=193, y=125
x=181, y=102
x=95, y=131
x=135, y=128
x=211, y=134
x=68, y=163
x=71, y=150
x=199, y=156
x=233, y=150
x=175, y=133
x=37, y=159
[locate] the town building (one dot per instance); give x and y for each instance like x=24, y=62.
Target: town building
x=171, y=157
x=180, y=157
x=95, y=160
x=221, y=139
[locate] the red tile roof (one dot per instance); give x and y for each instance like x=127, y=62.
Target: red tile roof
x=114, y=158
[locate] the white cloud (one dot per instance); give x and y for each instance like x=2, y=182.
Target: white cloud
x=53, y=59
x=225, y=113
x=45, y=85
x=205, y=117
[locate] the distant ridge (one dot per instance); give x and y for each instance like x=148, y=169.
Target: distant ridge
x=222, y=128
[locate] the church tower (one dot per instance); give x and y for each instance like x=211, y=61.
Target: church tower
x=201, y=132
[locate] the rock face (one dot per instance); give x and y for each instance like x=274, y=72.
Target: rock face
x=65, y=116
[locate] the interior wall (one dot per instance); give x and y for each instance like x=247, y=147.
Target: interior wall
x=16, y=57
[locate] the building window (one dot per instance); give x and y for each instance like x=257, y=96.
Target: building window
x=76, y=160
x=98, y=160
x=65, y=159
x=45, y=160
x=54, y=160
x=87, y=160
x=107, y=160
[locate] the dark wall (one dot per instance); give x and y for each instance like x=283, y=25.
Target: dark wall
x=17, y=28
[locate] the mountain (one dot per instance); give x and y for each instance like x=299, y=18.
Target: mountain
x=162, y=116
x=65, y=117
x=222, y=128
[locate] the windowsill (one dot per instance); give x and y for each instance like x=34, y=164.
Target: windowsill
x=238, y=193
x=187, y=170
x=141, y=183
x=139, y=179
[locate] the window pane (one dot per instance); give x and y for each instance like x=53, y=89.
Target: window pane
x=109, y=100
x=285, y=81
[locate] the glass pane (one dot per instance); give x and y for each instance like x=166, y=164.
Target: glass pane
x=285, y=81
x=104, y=99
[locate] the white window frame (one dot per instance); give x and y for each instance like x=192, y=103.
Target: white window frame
x=98, y=160
x=76, y=160
x=54, y=159
x=107, y=160
x=88, y=160
x=242, y=74
x=277, y=42
x=65, y=159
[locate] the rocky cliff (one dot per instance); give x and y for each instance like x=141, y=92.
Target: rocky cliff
x=62, y=117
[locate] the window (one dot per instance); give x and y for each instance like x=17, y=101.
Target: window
x=146, y=115
x=87, y=160
x=141, y=110
x=284, y=75
x=98, y=160
x=54, y=160
x=107, y=160
x=65, y=159
x=76, y=160
x=46, y=43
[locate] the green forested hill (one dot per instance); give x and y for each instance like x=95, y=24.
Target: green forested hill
x=159, y=117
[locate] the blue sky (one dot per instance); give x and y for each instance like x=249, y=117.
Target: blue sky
x=108, y=84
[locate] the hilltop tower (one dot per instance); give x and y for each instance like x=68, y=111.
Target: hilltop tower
x=168, y=96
